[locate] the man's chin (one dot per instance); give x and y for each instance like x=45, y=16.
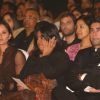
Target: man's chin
x=68, y=34
x=95, y=43
x=65, y=35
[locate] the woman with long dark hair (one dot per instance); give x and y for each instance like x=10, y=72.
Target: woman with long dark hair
x=50, y=60
x=7, y=59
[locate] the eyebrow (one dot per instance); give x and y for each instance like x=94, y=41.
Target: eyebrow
x=98, y=28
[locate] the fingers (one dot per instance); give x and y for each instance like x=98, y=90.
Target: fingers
x=48, y=46
x=93, y=90
x=52, y=42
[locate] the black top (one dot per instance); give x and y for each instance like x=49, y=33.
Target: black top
x=87, y=61
x=22, y=41
x=54, y=66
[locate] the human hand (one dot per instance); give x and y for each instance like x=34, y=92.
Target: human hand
x=48, y=46
x=92, y=90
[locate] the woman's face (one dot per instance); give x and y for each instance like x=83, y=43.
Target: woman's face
x=9, y=20
x=40, y=41
x=82, y=29
x=4, y=35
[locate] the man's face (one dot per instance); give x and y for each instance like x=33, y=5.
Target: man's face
x=67, y=25
x=30, y=19
x=95, y=34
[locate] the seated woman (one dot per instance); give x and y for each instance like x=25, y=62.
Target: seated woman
x=7, y=59
x=82, y=31
x=50, y=60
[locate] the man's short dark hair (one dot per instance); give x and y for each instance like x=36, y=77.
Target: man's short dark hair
x=95, y=20
x=68, y=14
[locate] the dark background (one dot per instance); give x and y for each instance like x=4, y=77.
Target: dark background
x=55, y=6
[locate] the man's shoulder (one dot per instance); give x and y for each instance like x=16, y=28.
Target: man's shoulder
x=86, y=51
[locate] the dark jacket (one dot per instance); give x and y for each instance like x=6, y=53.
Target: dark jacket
x=53, y=66
x=22, y=41
x=86, y=61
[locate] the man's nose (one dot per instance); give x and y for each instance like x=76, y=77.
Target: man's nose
x=94, y=33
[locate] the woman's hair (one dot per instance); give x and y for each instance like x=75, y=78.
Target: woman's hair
x=2, y=22
x=48, y=31
x=20, y=95
x=86, y=19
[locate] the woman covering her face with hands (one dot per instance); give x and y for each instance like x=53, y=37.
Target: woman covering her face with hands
x=50, y=59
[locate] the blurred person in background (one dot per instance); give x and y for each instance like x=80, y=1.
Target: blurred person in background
x=97, y=9
x=86, y=4
x=14, y=24
x=76, y=12
x=7, y=7
x=19, y=1
x=20, y=13
x=25, y=39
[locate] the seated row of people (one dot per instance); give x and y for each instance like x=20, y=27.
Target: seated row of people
x=44, y=60
x=49, y=70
